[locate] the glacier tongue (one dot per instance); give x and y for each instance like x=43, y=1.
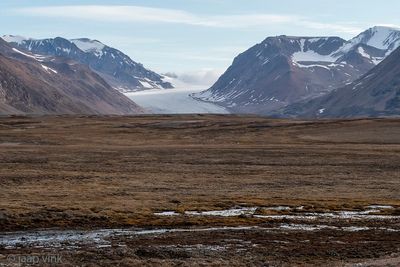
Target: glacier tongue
x=174, y=101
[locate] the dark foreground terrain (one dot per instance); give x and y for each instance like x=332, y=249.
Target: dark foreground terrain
x=199, y=190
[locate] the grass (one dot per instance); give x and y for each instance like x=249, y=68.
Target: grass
x=113, y=171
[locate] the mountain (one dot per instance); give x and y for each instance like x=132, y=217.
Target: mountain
x=375, y=94
x=118, y=69
x=36, y=84
x=284, y=70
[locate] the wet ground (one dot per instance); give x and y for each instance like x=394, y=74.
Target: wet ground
x=268, y=245
x=294, y=237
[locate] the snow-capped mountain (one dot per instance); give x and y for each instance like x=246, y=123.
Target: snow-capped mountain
x=283, y=70
x=381, y=37
x=375, y=94
x=118, y=69
x=37, y=84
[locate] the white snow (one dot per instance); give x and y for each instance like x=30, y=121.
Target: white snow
x=333, y=65
x=146, y=85
x=33, y=56
x=279, y=208
x=368, y=214
x=266, y=61
x=384, y=38
x=66, y=50
x=380, y=207
x=37, y=58
x=102, y=238
x=97, y=238
x=312, y=66
x=357, y=85
x=174, y=101
x=22, y=53
x=375, y=60
x=363, y=53
x=88, y=45
x=224, y=213
x=305, y=227
x=341, y=215
x=49, y=70
x=14, y=39
x=167, y=213
x=318, y=227
x=312, y=56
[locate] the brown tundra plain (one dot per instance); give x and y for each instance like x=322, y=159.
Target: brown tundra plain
x=199, y=190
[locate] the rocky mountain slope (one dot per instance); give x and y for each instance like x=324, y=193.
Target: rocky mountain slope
x=118, y=69
x=36, y=84
x=284, y=70
x=375, y=94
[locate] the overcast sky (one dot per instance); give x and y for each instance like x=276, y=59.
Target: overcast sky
x=191, y=35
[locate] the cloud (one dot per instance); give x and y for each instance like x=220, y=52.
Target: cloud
x=331, y=27
x=204, y=77
x=199, y=57
x=163, y=15
x=388, y=25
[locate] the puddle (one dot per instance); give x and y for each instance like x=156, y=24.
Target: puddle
x=281, y=208
x=380, y=207
x=339, y=215
x=224, y=213
x=196, y=247
x=101, y=239
x=306, y=227
x=220, y=213
x=98, y=238
x=370, y=213
x=167, y=213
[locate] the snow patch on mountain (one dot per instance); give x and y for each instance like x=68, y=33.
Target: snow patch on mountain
x=310, y=55
x=48, y=69
x=307, y=54
x=312, y=66
x=88, y=45
x=14, y=39
x=33, y=56
x=146, y=85
x=380, y=37
x=362, y=52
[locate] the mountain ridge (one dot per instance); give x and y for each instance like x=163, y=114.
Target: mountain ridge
x=117, y=68
x=42, y=85
x=375, y=94
x=283, y=70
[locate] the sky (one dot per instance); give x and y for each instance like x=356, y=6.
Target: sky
x=197, y=39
